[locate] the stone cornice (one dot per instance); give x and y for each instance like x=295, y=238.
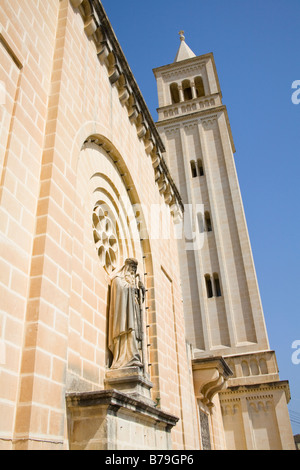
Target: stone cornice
x=179, y=72
x=250, y=354
x=98, y=28
x=116, y=400
x=202, y=60
x=207, y=113
x=184, y=103
x=259, y=388
x=105, y=23
x=193, y=115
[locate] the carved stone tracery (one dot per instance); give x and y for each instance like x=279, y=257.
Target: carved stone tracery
x=105, y=238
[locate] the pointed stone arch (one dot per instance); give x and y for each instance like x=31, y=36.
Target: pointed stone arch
x=104, y=189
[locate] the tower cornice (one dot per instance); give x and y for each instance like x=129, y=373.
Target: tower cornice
x=184, y=63
x=206, y=113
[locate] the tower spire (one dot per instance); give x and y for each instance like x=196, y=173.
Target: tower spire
x=184, y=52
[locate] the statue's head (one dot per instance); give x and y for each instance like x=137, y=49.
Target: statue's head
x=128, y=271
x=131, y=265
x=131, y=262
x=130, y=268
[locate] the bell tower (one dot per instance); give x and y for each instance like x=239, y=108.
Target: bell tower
x=223, y=311
x=221, y=296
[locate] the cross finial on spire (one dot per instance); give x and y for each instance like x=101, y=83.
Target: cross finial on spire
x=181, y=33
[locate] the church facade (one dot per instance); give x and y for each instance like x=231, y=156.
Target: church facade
x=130, y=315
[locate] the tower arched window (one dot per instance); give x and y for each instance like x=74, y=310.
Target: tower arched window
x=209, y=289
x=254, y=367
x=199, y=86
x=187, y=90
x=200, y=167
x=217, y=285
x=245, y=369
x=263, y=366
x=174, y=90
x=193, y=169
x=208, y=225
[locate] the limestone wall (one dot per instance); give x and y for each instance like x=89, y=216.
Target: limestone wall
x=73, y=141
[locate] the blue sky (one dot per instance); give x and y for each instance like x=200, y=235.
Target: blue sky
x=256, y=49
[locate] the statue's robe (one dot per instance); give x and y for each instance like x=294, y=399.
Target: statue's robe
x=124, y=324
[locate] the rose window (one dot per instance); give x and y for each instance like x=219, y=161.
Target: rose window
x=105, y=239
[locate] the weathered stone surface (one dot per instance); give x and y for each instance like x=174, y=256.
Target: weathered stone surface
x=109, y=419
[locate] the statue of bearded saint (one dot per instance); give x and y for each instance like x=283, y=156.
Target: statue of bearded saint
x=125, y=325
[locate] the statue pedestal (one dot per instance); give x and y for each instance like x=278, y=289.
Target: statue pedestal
x=113, y=420
x=121, y=417
x=130, y=380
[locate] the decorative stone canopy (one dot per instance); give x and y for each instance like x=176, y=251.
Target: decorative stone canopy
x=98, y=28
x=210, y=375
